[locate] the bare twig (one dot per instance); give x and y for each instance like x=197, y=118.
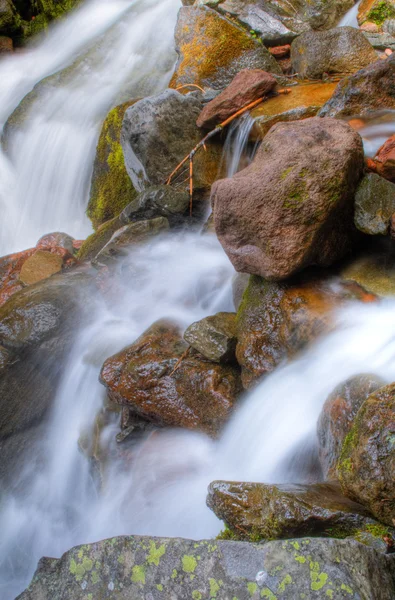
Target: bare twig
x=178, y=363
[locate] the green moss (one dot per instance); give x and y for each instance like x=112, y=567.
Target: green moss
x=380, y=12
x=95, y=242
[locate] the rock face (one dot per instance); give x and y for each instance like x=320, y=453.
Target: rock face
x=257, y=511
x=164, y=569
x=158, y=201
x=339, y=51
x=214, y=337
x=213, y=49
x=367, y=90
x=111, y=187
x=374, y=205
x=148, y=378
x=366, y=468
x=158, y=132
x=247, y=86
x=337, y=417
x=293, y=206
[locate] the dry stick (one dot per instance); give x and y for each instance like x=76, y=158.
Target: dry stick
x=187, y=351
x=211, y=134
x=190, y=85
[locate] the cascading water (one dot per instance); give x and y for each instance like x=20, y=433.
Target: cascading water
x=350, y=18
x=50, y=154
x=236, y=142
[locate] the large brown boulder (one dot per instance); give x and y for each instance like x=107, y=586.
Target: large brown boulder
x=257, y=511
x=366, y=467
x=337, y=416
x=339, y=51
x=148, y=378
x=247, y=86
x=368, y=90
x=293, y=206
x=212, y=49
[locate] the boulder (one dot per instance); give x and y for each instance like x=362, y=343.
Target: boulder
x=384, y=161
x=160, y=382
x=293, y=206
x=212, y=49
x=256, y=511
x=158, y=201
x=158, y=132
x=97, y=240
x=374, y=205
x=111, y=187
x=380, y=41
x=10, y=267
x=339, y=51
x=366, y=468
x=277, y=320
x=368, y=90
x=58, y=243
x=214, y=337
x=337, y=417
x=134, y=567
x=376, y=11
x=280, y=51
x=373, y=271
x=248, y=85
x=39, y=266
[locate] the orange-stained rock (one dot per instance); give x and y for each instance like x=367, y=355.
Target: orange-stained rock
x=370, y=27
x=248, y=85
x=148, y=378
x=280, y=51
x=40, y=266
x=60, y=244
x=10, y=267
x=385, y=160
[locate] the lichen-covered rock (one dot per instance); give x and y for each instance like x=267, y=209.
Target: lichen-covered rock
x=158, y=132
x=337, y=417
x=256, y=511
x=157, y=381
x=158, y=201
x=137, y=567
x=366, y=468
x=368, y=90
x=40, y=265
x=376, y=11
x=212, y=49
x=293, y=206
x=339, y=51
x=374, y=205
x=111, y=187
x=248, y=85
x=374, y=272
x=214, y=337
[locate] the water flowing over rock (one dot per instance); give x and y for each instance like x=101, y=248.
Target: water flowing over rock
x=337, y=417
x=247, y=86
x=366, y=467
x=293, y=206
x=212, y=49
x=163, y=568
x=214, y=337
x=158, y=381
x=368, y=90
x=256, y=511
x=158, y=132
x=374, y=205
x=339, y=51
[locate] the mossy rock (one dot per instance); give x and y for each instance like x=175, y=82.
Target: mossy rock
x=376, y=11
x=97, y=240
x=111, y=187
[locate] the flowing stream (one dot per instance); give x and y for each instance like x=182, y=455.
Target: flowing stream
x=158, y=485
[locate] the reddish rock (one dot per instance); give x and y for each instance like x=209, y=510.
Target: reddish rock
x=60, y=244
x=155, y=384
x=6, y=45
x=293, y=206
x=247, y=86
x=39, y=266
x=370, y=27
x=77, y=244
x=385, y=160
x=280, y=51
x=10, y=267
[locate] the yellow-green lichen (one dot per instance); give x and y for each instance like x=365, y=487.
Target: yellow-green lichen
x=318, y=579
x=189, y=563
x=138, y=574
x=155, y=554
x=252, y=588
x=159, y=587
x=196, y=595
x=214, y=587
x=286, y=581
x=266, y=593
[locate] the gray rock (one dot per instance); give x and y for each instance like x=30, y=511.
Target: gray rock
x=374, y=205
x=214, y=337
x=158, y=201
x=339, y=51
x=389, y=26
x=131, y=568
x=239, y=285
x=380, y=41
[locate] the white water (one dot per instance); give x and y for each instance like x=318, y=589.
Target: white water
x=350, y=18
x=235, y=147
x=50, y=156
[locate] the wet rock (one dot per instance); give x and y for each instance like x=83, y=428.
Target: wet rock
x=40, y=266
x=375, y=272
x=293, y=206
x=163, y=568
x=368, y=90
x=256, y=511
x=302, y=102
x=337, y=417
x=374, y=205
x=58, y=243
x=158, y=201
x=212, y=49
x=248, y=85
x=366, y=468
x=123, y=238
x=384, y=161
x=158, y=132
x=338, y=51
x=111, y=187
x=10, y=267
x=214, y=337
x=159, y=382
x=375, y=11
x=97, y=240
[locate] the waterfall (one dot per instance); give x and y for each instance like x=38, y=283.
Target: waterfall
x=106, y=49
x=350, y=18
x=235, y=148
